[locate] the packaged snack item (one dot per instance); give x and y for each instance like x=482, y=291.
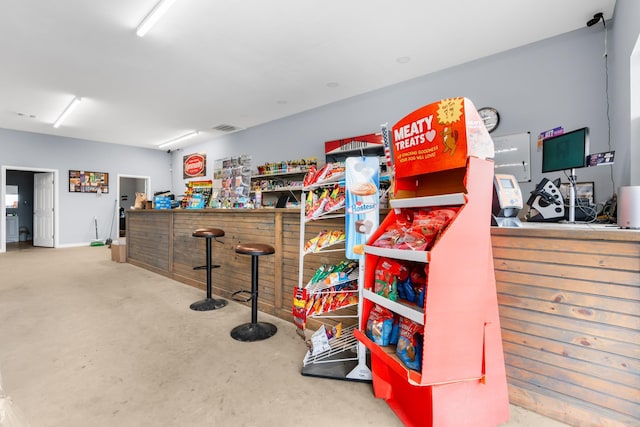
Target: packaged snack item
x=379, y=325
x=386, y=277
x=395, y=330
x=319, y=341
x=310, y=176
x=409, y=348
x=430, y=223
x=311, y=245
x=336, y=199
x=337, y=236
x=323, y=239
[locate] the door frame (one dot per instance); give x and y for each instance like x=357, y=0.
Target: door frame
x=147, y=186
x=3, y=209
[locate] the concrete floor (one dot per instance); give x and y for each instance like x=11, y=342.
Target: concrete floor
x=85, y=341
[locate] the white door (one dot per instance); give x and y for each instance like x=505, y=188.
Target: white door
x=43, y=209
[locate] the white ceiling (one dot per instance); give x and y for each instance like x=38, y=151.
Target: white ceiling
x=241, y=63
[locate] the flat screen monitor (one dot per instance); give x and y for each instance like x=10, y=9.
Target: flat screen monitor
x=566, y=151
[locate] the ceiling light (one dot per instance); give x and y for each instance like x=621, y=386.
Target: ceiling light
x=154, y=16
x=75, y=101
x=178, y=139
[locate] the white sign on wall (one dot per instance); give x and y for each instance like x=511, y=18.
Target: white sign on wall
x=513, y=155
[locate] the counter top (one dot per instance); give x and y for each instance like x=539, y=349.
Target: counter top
x=579, y=230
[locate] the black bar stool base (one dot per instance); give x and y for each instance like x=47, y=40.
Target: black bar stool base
x=208, y=304
x=253, y=331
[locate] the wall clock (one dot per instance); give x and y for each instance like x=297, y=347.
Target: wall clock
x=490, y=117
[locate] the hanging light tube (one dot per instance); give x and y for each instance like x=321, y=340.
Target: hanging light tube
x=72, y=105
x=153, y=17
x=178, y=139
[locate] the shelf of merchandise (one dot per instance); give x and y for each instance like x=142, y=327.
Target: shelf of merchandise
x=345, y=359
x=281, y=176
x=462, y=363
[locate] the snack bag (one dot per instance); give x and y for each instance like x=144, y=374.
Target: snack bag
x=311, y=245
x=298, y=309
x=309, y=178
x=395, y=330
x=430, y=223
x=379, y=325
x=409, y=348
x=386, y=278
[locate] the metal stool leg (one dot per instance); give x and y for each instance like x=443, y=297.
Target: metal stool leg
x=208, y=303
x=254, y=331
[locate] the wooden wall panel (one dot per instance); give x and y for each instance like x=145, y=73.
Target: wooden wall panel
x=570, y=314
x=149, y=240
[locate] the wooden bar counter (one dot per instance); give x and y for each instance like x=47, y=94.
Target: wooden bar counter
x=569, y=298
x=569, y=301
x=161, y=241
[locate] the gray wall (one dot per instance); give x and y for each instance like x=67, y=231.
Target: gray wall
x=555, y=82
x=76, y=211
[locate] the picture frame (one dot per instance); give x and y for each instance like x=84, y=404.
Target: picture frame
x=81, y=181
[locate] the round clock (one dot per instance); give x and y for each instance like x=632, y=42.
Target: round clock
x=490, y=117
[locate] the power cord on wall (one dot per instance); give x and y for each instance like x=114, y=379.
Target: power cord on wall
x=590, y=23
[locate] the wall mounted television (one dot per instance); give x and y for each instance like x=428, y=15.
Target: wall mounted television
x=565, y=151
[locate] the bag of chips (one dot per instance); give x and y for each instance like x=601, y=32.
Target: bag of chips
x=379, y=325
x=409, y=348
x=386, y=278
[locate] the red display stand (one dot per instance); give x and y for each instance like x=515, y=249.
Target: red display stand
x=462, y=380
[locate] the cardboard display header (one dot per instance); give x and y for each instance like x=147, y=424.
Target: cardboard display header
x=438, y=137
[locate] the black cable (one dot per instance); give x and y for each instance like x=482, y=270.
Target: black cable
x=606, y=85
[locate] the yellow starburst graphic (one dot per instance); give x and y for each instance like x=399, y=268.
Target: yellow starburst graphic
x=449, y=110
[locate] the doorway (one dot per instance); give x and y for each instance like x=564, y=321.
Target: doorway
x=128, y=186
x=37, y=208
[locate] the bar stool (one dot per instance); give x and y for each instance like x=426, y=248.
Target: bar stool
x=254, y=331
x=208, y=303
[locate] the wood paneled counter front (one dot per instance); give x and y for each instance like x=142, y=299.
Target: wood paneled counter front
x=569, y=298
x=569, y=301
x=161, y=241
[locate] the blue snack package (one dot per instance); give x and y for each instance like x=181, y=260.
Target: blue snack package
x=379, y=325
x=395, y=330
x=409, y=348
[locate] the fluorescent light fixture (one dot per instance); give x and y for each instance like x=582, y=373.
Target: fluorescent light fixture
x=154, y=16
x=74, y=102
x=178, y=139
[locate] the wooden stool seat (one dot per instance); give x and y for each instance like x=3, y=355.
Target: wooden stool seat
x=208, y=232
x=255, y=249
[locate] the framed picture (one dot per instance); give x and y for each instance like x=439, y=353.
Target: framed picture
x=88, y=182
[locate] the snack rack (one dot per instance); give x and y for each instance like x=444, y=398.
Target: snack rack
x=345, y=359
x=462, y=379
